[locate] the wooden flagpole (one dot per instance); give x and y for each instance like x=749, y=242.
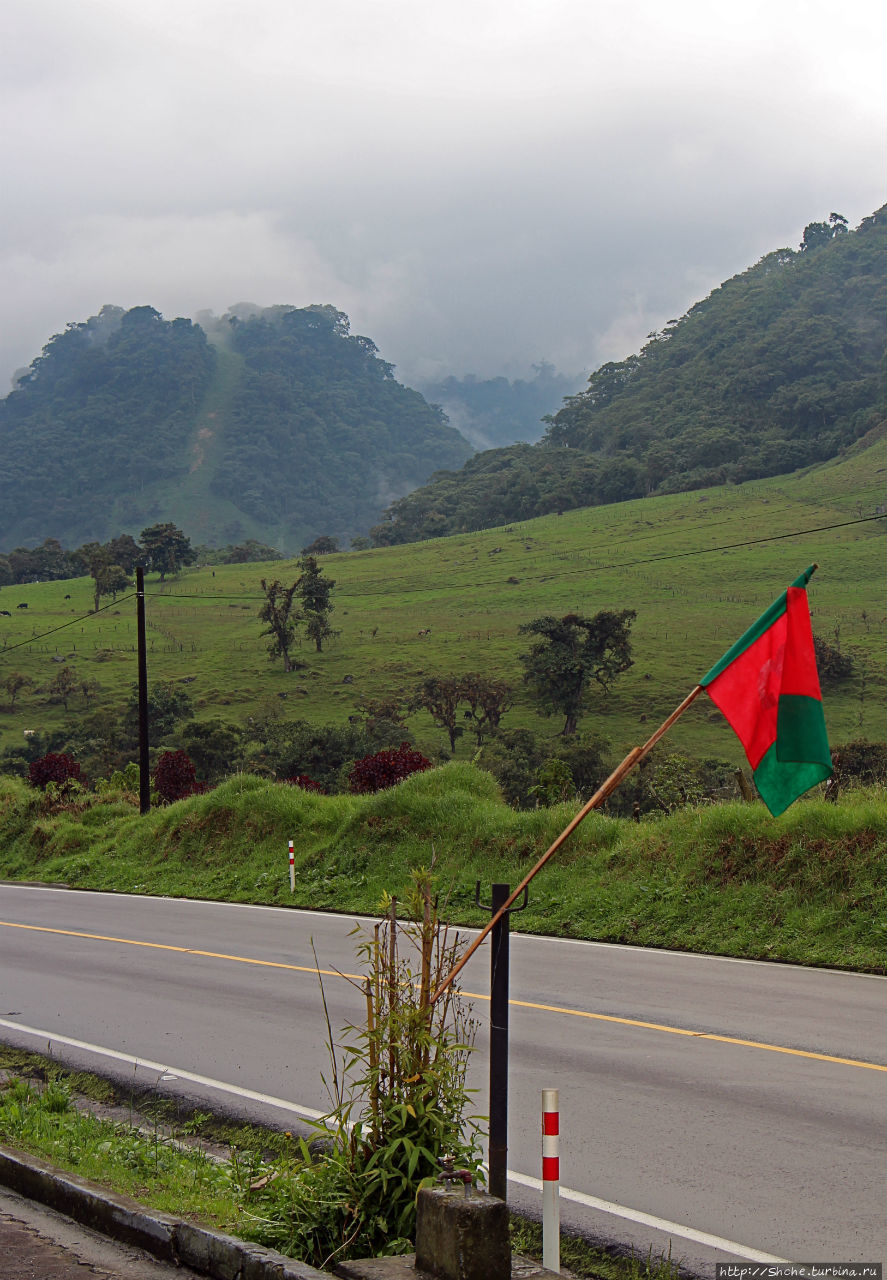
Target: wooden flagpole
x=634, y=757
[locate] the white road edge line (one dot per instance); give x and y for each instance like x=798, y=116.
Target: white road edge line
x=649, y=1220
x=165, y=1070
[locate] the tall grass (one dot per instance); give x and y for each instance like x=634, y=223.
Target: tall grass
x=809, y=887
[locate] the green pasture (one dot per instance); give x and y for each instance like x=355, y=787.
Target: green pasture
x=674, y=559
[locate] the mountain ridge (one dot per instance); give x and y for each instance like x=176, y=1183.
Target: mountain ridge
x=291, y=428
x=782, y=366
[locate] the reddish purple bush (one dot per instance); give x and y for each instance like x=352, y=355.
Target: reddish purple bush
x=307, y=784
x=175, y=777
x=375, y=773
x=53, y=767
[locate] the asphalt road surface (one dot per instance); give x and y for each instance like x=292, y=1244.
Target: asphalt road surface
x=723, y=1110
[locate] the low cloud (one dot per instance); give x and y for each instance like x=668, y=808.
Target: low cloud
x=478, y=187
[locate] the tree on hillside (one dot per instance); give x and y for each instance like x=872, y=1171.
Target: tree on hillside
x=314, y=591
x=168, y=703
x=385, y=719
x=440, y=697
x=89, y=688
x=125, y=551
x=109, y=580
x=488, y=700
x=322, y=546
x=573, y=653
x=166, y=549
x=14, y=683
x=281, y=618
x=819, y=233
x=64, y=684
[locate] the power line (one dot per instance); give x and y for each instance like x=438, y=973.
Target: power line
x=85, y=618
x=196, y=595
x=565, y=573
x=668, y=555
x=569, y=573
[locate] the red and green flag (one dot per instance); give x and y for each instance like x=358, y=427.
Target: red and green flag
x=768, y=688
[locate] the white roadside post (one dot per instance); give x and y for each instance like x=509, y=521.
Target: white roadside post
x=292, y=866
x=551, y=1177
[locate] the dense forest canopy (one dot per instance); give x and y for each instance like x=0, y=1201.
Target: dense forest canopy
x=284, y=427
x=780, y=367
x=101, y=413
x=321, y=432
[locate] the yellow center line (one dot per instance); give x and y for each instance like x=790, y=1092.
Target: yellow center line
x=185, y=951
x=697, y=1035
x=471, y=995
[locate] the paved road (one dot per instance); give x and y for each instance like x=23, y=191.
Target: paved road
x=703, y=1101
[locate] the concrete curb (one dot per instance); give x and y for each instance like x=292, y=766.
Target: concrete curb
x=166, y=1237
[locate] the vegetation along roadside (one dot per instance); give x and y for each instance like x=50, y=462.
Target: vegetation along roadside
x=264, y=1185
x=809, y=887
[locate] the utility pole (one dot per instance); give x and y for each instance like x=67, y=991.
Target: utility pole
x=144, y=775
x=499, y=963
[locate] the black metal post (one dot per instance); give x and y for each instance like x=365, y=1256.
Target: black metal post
x=144, y=775
x=499, y=1047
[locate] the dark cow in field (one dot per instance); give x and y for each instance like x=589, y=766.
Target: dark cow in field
x=22, y=606
x=4, y=613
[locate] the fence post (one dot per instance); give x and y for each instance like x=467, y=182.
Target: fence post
x=551, y=1176
x=292, y=867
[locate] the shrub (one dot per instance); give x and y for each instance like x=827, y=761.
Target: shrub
x=833, y=665
x=175, y=777
x=295, y=748
x=861, y=762
x=53, y=767
x=307, y=784
x=400, y=1093
x=385, y=768
x=513, y=757
x=213, y=745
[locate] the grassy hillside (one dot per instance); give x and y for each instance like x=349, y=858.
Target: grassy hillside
x=809, y=887
x=472, y=592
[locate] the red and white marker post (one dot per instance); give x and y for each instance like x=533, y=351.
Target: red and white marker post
x=292, y=866
x=551, y=1180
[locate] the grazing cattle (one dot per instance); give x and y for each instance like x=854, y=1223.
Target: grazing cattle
x=67, y=597
x=426, y=631
x=22, y=606
x=5, y=613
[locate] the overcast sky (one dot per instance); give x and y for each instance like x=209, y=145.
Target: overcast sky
x=478, y=183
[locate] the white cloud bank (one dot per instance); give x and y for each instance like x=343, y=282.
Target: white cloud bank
x=478, y=184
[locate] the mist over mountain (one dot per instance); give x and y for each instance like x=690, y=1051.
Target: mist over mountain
x=493, y=412
x=780, y=367
x=283, y=427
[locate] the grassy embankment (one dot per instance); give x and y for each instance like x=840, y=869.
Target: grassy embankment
x=473, y=591
x=241, y=1179
x=809, y=887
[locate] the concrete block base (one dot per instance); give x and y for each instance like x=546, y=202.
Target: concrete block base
x=461, y=1237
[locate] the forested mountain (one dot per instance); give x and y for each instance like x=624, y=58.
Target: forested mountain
x=493, y=412
x=781, y=366
x=285, y=427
